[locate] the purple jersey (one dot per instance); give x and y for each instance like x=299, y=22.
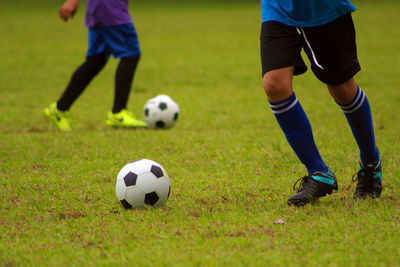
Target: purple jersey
x=107, y=13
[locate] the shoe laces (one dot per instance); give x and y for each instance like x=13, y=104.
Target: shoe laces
x=301, y=183
x=354, y=178
x=364, y=171
x=363, y=178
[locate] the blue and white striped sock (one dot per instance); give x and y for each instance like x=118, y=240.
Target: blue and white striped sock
x=297, y=129
x=358, y=115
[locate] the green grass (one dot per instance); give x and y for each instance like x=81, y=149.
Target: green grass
x=230, y=166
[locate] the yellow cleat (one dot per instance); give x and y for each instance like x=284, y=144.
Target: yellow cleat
x=124, y=118
x=62, y=119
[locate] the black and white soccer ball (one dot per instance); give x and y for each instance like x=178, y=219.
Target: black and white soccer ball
x=161, y=112
x=142, y=183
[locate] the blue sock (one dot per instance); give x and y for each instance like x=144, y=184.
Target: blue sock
x=294, y=123
x=358, y=115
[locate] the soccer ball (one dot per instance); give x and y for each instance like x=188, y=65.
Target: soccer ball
x=161, y=112
x=142, y=183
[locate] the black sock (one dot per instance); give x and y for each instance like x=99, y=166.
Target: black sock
x=80, y=79
x=123, y=82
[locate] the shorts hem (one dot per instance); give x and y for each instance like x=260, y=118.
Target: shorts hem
x=338, y=81
x=298, y=70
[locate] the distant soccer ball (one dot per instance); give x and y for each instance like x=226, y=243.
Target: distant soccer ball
x=142, y=183
x=161, y=112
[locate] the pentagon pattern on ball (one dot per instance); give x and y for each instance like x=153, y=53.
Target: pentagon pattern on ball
x=151, y=198
x=125, y=204
x=160, y=124
x=157, y=171
x=161, y=112
x=162, y=106
x=142, y=183
x=130, y=179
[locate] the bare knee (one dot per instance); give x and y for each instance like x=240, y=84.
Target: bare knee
x=278, y=84
x=343, y=93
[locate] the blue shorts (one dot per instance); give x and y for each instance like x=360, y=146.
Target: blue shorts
x=120, y=41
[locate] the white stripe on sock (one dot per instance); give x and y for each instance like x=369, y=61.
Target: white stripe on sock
x=279, y=105
x=285, y=109
x=357, y=107
x=359, y=93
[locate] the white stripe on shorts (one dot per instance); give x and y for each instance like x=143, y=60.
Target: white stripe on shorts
x=309, y=46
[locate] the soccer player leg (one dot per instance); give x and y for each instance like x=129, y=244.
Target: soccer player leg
x=96, y=58
x=120, y=116
x=123, y=43
x=281, y=59
x=357, y=110
x=80, y=79
x=123, y=81
x=333, y=55
x=355, y=106
x=293, y=121
x=59, y=111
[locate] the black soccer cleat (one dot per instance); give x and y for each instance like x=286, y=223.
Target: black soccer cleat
x=369, y=179
x=312, y=187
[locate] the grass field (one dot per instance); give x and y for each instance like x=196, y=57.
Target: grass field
x=231, y=169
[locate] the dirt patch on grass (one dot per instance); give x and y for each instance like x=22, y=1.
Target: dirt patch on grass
x=70, y=215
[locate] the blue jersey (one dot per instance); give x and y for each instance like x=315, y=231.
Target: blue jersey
x=304, y=13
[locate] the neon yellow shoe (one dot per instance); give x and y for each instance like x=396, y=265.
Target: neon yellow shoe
x=124, y=118
x=62, y=119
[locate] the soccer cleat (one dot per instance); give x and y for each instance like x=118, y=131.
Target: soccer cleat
x=124, y=118
x=62, y=119
x=312, y=187
x=369, y=179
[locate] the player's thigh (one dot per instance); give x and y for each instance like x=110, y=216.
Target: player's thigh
x=332, y=50
x=96, y=42
x=122, y=40
x=280, y=47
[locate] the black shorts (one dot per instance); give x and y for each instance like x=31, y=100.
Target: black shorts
x=331, y=49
